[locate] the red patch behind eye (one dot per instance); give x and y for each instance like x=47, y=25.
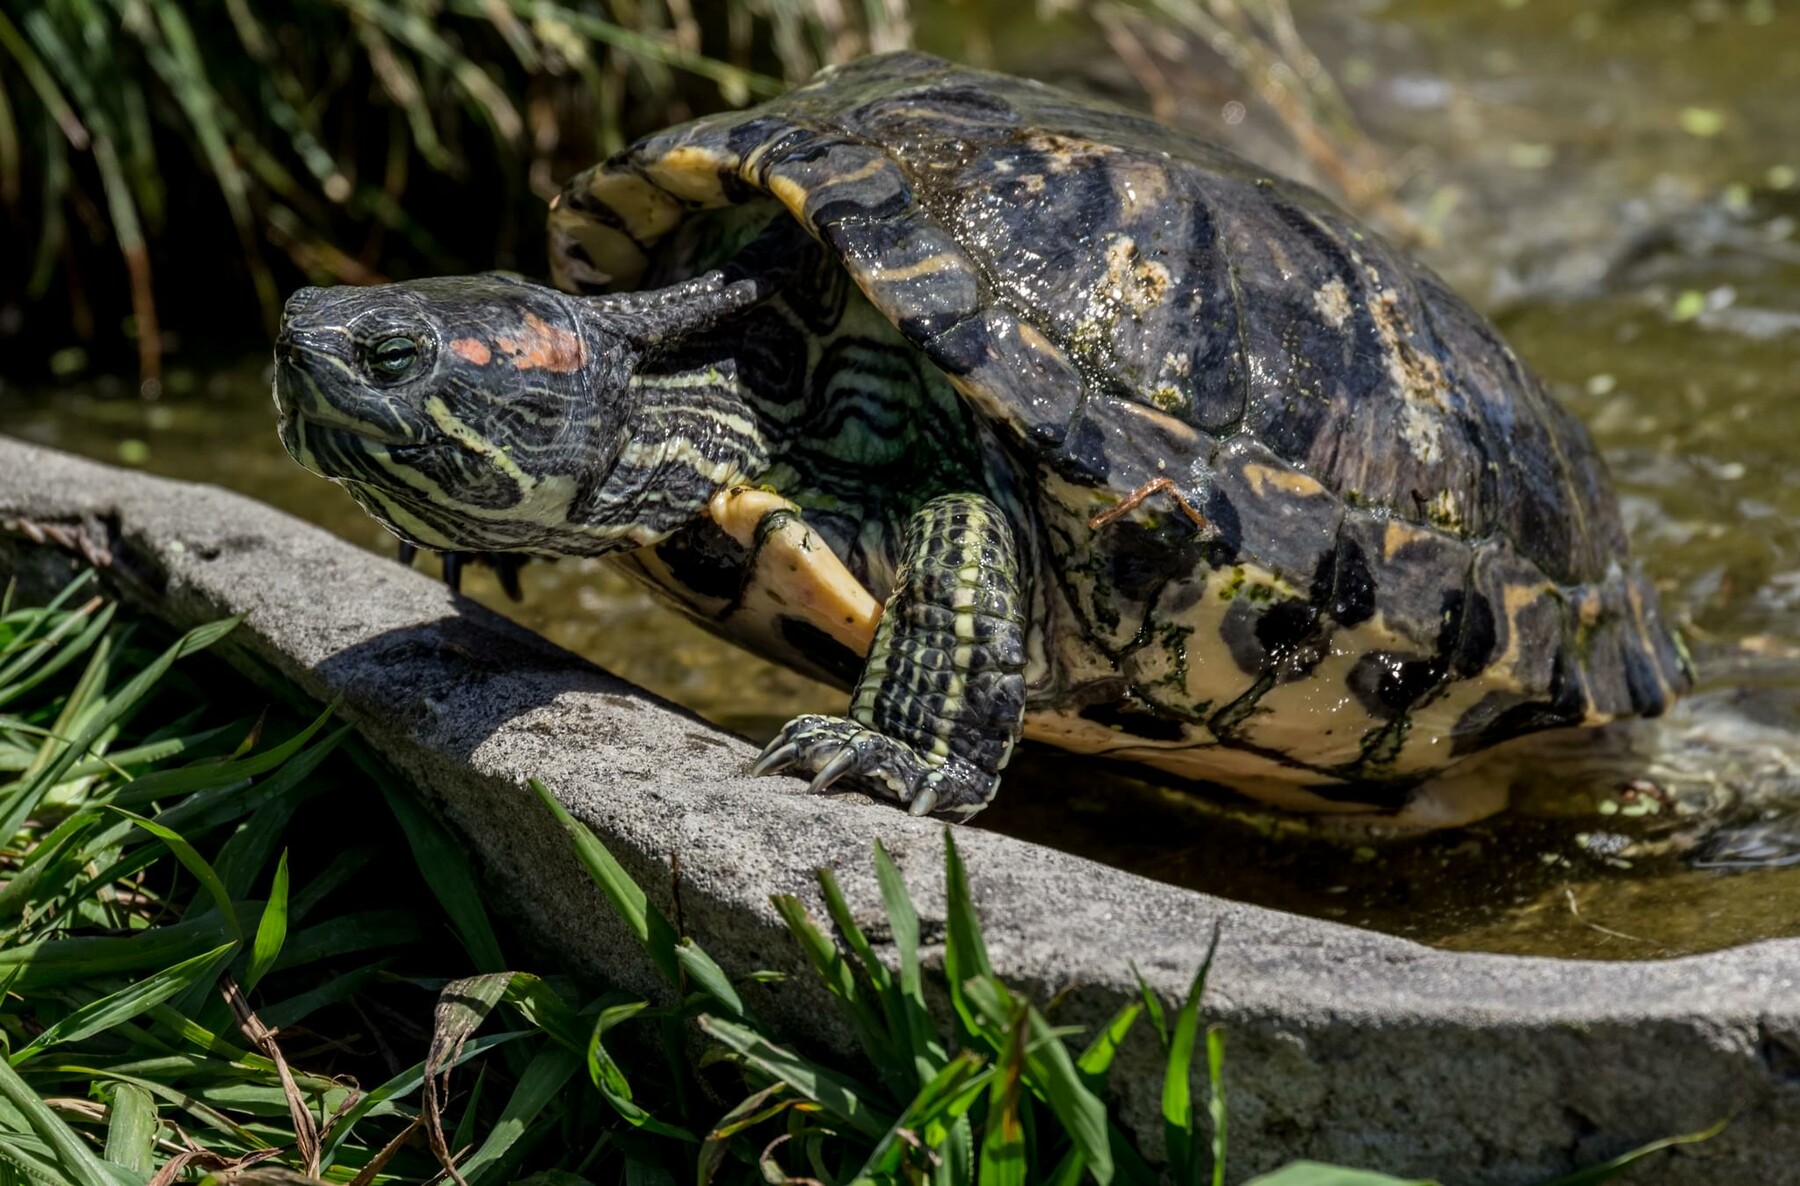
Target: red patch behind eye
x=541, y=346
x=473, y=350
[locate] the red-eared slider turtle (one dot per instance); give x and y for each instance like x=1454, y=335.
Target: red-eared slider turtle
x=1017, y=415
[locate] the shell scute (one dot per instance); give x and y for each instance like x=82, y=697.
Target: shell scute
x=1012, y=375
x=1288, y=520
x=913, y=269
x=1418, y=577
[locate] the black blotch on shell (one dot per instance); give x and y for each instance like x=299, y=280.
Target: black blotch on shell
x=1343, y=583
x=1142, y=559
x=825, y=652
x=705, y=559
x=1476, y=638
x=1135, y=722
x=1646, y=691
x=1387, y=684
x=1225, y=540
x=1486, y=724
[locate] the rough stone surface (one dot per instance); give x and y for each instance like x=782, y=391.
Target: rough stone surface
x=1343, y=1045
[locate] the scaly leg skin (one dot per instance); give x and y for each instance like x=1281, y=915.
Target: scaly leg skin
x=941, y=701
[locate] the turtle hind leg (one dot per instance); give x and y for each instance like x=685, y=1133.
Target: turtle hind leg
x=941, y=701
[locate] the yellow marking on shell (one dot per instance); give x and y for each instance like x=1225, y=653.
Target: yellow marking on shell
x=1037, y=343
x=691, y=172
x=1397, y=535
x=1266, y=480
x=1201, y=667
x=1242, y=770
x=1065, y=154
x=790, y=193
x=648, y=211
x=615, y=259
x=1514, y=601
x=931, y=265
x=796, y=568
x=869, y=168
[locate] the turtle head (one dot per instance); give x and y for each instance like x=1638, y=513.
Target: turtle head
x=469, y=413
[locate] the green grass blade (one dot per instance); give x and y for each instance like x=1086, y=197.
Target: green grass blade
x=956, y=1156
x=1610, y=1169
x=57, y=859
x=70, y=1153
x=131, y=1128
x=609, y=1078
x=1002, y=1157
x=1215, y=1105
x=709, y=977
x=839, y=1095
x=640, y=45
x=628, y=898
x=1099, y=1054
x=206, y=776
x=935, y=1106
x=543, y=1079
x=912, y=1019
x=445, y=867
x=965, y=954
x=1152, y=1008
x=1177, y=1094
x=49, y=963
x=45, y=658
x=839, y=910
x=184, y=72
x=22, y=802
x=1052, y=1074
x=196, y=864
x=101, y=1015
x=840, y=980
x=271, y=929
x=42, y=82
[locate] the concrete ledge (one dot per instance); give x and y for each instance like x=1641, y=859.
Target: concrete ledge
x=1343, y=1045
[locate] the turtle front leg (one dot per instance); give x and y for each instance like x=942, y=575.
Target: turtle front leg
x=941, y=701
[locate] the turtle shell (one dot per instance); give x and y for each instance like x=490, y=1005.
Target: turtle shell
x=1297, y=499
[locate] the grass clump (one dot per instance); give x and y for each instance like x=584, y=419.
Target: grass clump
x=214, y=969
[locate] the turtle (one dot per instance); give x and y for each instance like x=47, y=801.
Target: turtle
x=1016, y=415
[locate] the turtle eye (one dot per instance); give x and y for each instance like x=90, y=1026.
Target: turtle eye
x=393, y=357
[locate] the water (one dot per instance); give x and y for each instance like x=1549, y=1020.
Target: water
x=1617, y=185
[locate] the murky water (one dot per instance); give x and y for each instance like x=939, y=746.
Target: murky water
x=1619, y=184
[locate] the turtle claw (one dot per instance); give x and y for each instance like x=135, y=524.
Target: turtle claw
x=846, y=760
x=834, y=751
x=506, y=566
x=775, y=758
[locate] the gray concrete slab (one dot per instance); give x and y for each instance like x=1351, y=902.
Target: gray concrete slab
x=1343, y=1045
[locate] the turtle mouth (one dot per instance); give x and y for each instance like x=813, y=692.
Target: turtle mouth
x=329, y=434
